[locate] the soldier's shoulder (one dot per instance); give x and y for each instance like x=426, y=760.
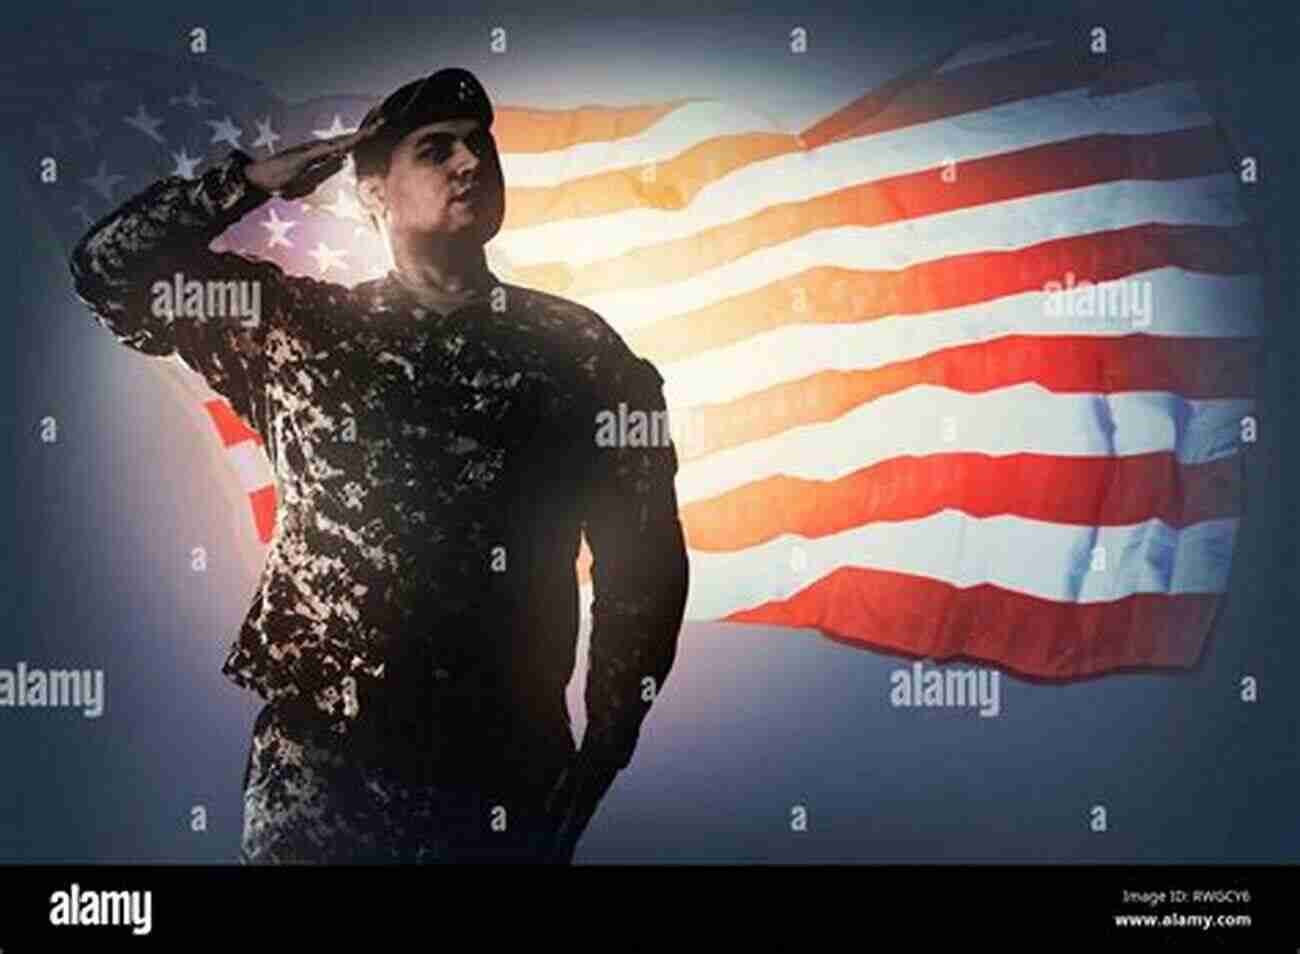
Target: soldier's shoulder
x=569, y=319
x=374, y=292
x=604, y=359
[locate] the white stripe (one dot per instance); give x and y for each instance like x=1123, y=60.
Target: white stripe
x=1047, y=560
x=1182, y=304
x=1020, y=419
x=1001, y=226
x=250, y=465
x=675, y=133
x=799, y=177
x=996, y=50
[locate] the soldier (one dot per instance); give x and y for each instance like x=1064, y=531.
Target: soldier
x=432, y=434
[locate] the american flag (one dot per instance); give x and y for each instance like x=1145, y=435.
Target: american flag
x=962, y=370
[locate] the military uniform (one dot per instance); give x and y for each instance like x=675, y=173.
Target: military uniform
x=415, y=625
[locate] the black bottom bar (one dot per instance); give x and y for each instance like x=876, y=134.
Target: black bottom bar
x=913, y=908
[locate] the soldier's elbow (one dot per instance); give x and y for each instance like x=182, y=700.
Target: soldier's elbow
x=85, y=265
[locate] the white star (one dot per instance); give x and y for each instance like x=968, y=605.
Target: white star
x=336, y=129
x=191, y=99
x=265, y=135
x=345, y=206
x=278, y=227
x=145, y=123
x=327, y=258
x=225, y=131
x=102, y=182
x=185, y=164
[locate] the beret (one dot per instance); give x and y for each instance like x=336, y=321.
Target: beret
x=451, y=93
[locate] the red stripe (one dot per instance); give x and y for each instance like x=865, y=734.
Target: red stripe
x=1082, y=491
x=231, y=429
x=263, y=503
x=836, y=295
x=1195, y=368
x=680, y=179
x=1052, y=167
x=1058, y=166
x=979, y=86
x=895, y=612
x=519, y=130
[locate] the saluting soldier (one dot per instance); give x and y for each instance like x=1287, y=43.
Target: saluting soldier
x=432, y=434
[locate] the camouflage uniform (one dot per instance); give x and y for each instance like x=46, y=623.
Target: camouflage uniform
x=415, y=625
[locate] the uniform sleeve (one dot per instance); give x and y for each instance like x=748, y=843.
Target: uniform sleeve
x=640, y=573
x=121, y=263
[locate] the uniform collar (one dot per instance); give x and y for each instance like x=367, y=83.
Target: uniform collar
x=399, y=293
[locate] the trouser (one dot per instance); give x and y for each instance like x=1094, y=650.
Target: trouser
x=384, y=794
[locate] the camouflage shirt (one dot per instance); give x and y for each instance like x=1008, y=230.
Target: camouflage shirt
x=433, y=472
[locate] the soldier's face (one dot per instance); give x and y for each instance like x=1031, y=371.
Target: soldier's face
x=443, y=178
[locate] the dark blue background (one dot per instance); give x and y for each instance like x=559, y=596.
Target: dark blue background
x=753, y=720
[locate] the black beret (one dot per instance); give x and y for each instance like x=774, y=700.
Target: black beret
x=451, y=93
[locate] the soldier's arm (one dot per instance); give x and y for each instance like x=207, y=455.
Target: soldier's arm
x=121, y=265
x=166, y=228
x=122, y=262
x=640, y=573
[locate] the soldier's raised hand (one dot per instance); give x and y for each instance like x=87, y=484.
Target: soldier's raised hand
x=295, y=172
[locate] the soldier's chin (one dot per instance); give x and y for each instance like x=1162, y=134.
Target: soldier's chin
x=478, y=226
